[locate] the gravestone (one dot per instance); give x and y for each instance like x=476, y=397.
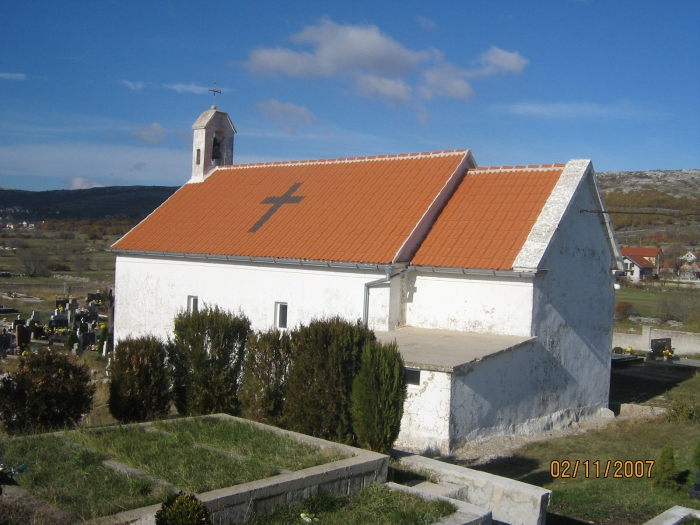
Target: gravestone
x=89, y=338
x=659, y=345
x=35, y=318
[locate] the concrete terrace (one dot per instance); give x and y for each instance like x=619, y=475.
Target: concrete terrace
x=444, y=350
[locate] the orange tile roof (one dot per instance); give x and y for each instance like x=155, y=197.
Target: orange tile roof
x=636, y=250
x=489, y=218
x=352, y=210
x=639, y=260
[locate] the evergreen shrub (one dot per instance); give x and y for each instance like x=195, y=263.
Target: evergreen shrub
x=666, y=475
x=71, y=341
x=265, y=374
x=326, y=359
x=696, y=457
x=378, y=395
x=47, y=392
x=183, y=509
x=206, y=353
x=139, y=382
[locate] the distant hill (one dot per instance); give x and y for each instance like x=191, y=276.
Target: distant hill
x=122, y=202
x=681, y=183
x=668, y=190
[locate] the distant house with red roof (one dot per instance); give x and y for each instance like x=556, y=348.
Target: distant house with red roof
x=496, y=283
x=635, y=256
x=638, y=268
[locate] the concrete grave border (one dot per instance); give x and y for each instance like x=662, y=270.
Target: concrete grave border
x=509, y=501
x=237, y=503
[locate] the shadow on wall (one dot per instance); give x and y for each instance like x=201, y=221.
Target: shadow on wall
x=507, y=389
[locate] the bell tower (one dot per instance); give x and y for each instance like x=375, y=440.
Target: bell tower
x=213, y=143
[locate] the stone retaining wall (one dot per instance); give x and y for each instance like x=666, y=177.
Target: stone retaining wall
x=684, y=343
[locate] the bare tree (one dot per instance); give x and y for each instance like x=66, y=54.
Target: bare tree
x=34, y=263
x=82, y=264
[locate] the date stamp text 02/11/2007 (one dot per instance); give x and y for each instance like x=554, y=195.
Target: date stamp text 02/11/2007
x=601, y=469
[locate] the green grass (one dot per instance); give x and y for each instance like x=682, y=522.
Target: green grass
x=375, y=504
x=74, y=480
x=608, y=501
x=173, y=458
x=252, y=442
x=644, y=300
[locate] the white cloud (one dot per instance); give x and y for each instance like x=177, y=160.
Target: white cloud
x=445, y=79
x=81, y=183
x=569, y=110
x=392, y=89
x=338, y=49
x=133, y=86
x=286, y=114
x=150, y=134
x=13, y=76
x=188, y=88
x=378, y=65
x=425, y=22
x=497, y=60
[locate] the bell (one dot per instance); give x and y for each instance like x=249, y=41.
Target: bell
x=216, y=149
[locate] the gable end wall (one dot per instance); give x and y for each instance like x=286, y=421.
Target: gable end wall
x=573, y=308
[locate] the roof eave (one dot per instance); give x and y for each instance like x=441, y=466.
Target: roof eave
x=524, y=273
x=263, y=260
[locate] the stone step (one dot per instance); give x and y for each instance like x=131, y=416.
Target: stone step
x=448, y=490
x=467, y=514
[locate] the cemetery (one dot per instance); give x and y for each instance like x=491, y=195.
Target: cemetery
x=85, y=322
x=100, y=474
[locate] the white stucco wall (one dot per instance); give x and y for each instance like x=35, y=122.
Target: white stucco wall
x=150, y=291
x=564, y=376
x=573, y=308
x=469, y=303
x=426, y=414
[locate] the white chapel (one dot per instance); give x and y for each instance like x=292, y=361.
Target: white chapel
x=496, y=282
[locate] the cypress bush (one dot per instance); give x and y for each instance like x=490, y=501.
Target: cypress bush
x=139, y=384
x=206, y=353
x=47, y=392
x=696, y=457
x=378, y=395
x=666, y=474
x=327, y=356
x=265, y=374
x=183, y=509
x=71, y=341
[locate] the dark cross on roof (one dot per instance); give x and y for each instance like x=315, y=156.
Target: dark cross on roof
x=215, y=91
x=277, y=203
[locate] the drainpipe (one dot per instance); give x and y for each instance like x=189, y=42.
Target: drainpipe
x=371, y=284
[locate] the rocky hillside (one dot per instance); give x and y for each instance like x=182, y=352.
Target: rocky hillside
x=674, y=182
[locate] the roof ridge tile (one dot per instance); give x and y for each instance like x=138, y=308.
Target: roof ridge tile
x=345, y=160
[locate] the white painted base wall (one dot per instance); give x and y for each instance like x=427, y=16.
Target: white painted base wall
x=152, y=290
x=425, y=425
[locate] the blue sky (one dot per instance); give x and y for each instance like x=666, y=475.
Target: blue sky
x=105, y=93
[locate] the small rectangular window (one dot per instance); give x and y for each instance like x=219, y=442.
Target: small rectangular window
x=199, y=156
x=412, y=376
x=281, y=315
x=192, y=304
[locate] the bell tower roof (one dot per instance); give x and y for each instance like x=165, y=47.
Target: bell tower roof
x=206, y=117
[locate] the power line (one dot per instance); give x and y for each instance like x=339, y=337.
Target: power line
x=676, y=215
